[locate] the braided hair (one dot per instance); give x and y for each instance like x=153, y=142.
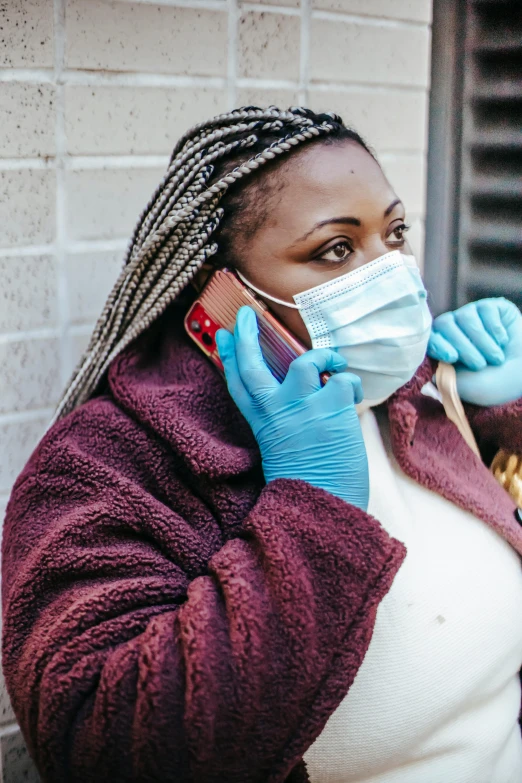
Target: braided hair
x=176, y=233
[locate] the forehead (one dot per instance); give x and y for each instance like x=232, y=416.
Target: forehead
x=340, y=178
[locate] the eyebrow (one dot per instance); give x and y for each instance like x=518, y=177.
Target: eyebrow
x=347, y=221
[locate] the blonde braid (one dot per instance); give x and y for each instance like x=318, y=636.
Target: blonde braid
x=172, y=239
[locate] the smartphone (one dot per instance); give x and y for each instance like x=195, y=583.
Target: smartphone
x=217, y=307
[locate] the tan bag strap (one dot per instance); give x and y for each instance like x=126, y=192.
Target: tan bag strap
x=446, y=380
x=506, y=467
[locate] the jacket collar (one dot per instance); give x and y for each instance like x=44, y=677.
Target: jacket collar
x=430, y=449
x=166, y=383
x=163, y=380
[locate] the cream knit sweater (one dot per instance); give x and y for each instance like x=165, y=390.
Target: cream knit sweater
x=437, y=697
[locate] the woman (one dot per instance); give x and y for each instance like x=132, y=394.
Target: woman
x=268, y=584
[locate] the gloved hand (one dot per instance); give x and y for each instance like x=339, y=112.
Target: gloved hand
x=484, y=340
x=304, y=431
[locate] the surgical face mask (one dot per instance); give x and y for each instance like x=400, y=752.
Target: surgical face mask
x=376, y=317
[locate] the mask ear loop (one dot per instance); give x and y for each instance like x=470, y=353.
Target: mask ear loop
x=263, y=293
x=408, y=260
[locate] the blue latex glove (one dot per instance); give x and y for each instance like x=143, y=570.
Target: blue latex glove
x=484, y=341
x=304, y=430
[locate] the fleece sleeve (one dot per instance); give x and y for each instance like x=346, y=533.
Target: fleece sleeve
x=139, y=645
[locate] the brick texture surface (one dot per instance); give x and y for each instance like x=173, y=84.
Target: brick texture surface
x=389, y=120
x=29, y=374
x=107, y=120
x=124, y=36
x=368, y=53
x=7, y=716
x=26, y=34
x=27, y=206
x=18, y=438
x=269, y=46
x=22, y=136
x=28, y=294
x=406, y=173
x=104, y=203
x=16, y=762
x=93, y=96
x=257, y=96
x=90, y=277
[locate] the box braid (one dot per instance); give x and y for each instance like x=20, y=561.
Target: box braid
x=174, y=235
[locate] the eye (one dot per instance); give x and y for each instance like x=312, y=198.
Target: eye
x=396, y=237
x=336, y=254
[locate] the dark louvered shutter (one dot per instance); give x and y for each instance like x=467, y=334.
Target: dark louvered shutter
x=483, y=186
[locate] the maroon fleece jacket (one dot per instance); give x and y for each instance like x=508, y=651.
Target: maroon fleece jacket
x=167, y=616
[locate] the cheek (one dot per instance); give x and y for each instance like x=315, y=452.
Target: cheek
x=293, y=321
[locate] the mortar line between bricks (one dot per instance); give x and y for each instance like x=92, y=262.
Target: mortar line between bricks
x=197, y=5
x=101, y=245
x=61, y=199
x=103, y=78
x=304, y=58
x=37, y=75
x=80, y=330
x=80, y=77
x=9, y=728
x=27, y=250
x=268, y=84
x=90, y=79
x=79, y=246
x=232, y=39
x=74, y=162
x=261, y=8
x=221, y=5
x=369, y=21
x=29, y=334
x=85, y=77
x=117, y=161
x=321, y=85
x=22, y=417
x=19, y=164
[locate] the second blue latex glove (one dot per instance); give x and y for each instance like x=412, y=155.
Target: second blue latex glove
x=304, y=430
x=484, y=341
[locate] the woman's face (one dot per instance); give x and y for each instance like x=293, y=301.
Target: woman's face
x=335, y=212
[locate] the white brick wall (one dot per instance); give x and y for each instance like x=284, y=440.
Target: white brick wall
x=94, y=94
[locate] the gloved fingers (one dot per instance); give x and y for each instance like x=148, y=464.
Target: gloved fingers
x=510, y=313
x=511, y=318
x=303, y=376
x=440, y=349
x=468, y=355
x=342, y=390
x=226, y=345
x=470, y=322
x=490, y=313
x=252, y=367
